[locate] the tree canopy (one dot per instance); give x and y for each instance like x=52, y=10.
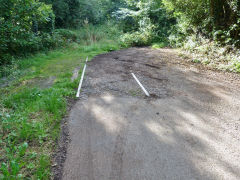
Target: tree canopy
x=27, y=26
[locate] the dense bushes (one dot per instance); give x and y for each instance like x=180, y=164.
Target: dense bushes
x=87, y=35
x=144, y=22
x=73, y=13
x=218, y=20
x=174, y=20
x=27, y=26
x=20, y=24
x=66, y=35
x=143, y=36
x=209, y=31
x=212, y=54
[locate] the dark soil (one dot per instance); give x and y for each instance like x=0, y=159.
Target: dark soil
x=62, y=144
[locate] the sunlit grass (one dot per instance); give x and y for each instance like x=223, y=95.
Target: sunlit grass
x=31, y=114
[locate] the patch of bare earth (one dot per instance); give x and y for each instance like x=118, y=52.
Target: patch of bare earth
x=188, y=129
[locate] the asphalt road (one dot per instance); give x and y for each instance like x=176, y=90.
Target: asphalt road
x=188, y=129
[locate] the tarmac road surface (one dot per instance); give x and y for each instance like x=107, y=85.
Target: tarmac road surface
x=188, y=129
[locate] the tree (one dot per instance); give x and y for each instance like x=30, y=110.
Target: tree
x=17, y=18
x=217, y=19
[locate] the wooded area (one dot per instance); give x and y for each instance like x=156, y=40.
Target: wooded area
x=29, y=26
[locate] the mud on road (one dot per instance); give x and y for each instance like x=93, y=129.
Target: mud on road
x=188, y=129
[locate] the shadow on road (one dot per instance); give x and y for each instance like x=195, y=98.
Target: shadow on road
x=190, y=132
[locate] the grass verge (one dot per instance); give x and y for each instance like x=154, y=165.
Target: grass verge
x=33, y=104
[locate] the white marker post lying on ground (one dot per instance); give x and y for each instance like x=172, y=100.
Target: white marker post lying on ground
x=81, y=81
x=144, y=90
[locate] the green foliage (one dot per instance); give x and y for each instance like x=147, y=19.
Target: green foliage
x=27, y=26
x=207, y=52
x=67, y=12
x=218, y=20
x=72, y=14
x=209, y=30
x=18, y=34
x=67, y=35
x=145, y=22
x=159, y=45
x=94, y=33
x=142, y=37
x=30, y=114
x=62, y=37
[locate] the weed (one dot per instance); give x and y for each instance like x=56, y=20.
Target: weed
x=134, y=93
x=196, y=61
x=159, y=45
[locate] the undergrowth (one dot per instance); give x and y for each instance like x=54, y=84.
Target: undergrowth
x=31, y=113
x=210, y=53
